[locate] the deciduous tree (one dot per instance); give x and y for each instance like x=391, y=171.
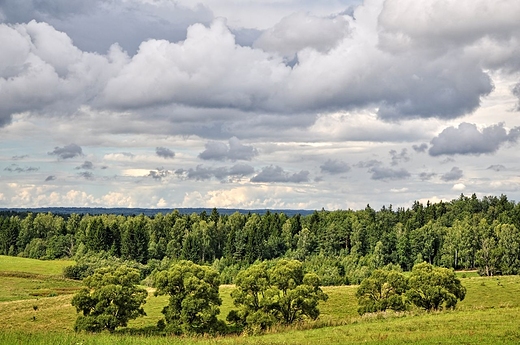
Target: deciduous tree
x=194, y=298
x=109, y=299
x=431, y=287
x=383, y=290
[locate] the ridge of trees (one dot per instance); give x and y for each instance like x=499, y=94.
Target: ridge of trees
x=341, y=247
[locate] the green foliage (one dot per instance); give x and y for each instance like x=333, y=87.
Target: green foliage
x=341, y=247
x=383, y=290
x=294, y=294
x=281, y=294
x=431, y=287
x=87, y=264
x=109, y=300
x=251, y=296
x=193, y=298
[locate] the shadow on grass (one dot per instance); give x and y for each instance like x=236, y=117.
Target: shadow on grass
x=142, y=331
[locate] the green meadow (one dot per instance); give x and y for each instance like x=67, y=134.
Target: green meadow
x=35, y=309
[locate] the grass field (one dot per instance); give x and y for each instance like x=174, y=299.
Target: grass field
x=488, y=315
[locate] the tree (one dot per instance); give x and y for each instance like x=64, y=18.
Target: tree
x=282, y=294
x=294, y=294
x=194, y=298
x=109, y=299
x=383, y=290
x=432, y=287
x=509, y=244
x=254, y=308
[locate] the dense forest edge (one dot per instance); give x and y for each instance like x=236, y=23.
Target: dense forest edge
x=341, y=247
x=276, y=262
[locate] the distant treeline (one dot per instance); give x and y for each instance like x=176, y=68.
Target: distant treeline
x=341, y=246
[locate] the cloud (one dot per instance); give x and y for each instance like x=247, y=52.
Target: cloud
x=399, y=157
x=19, y=169
x=303, y=31
x=95, y=25
x=88, y=165
x=235, y=151
x=343, y=64
x=277, y=174
x=496, y=167
x=50, y=178
x=516, y=91
x=382, y=173
x=459, y=186
x=467, y=139
x=368, y=164
x=420, y=148
x=87, y=175
x=334, y=167
x=164, y=152
x=67, y=152
x=201, y=173
x=454, y=174
x=426, y=176
x=20, y=157
x=159, y=173
x=241, y=170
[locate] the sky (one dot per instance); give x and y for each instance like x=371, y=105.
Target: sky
x=260, y=104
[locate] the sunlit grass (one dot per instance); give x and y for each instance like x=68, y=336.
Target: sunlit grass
x=50, y=267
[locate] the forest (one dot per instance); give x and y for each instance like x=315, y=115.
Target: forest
x=341, y=247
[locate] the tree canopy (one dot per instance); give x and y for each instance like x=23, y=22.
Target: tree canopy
x=109, y=299
x=194, y=298
x=281, y=294
x=433, y=288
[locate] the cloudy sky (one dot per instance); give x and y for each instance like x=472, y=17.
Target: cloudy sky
x=274, y=104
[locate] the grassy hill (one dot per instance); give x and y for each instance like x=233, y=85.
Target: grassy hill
x=486, y=316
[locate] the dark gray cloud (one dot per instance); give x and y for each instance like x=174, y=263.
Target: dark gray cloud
x=496, y=167
x=164, y=152
x=19, y=169
x=399, y=157
x=447, y=160
x=87, y=165
x=368, y=164
x=87, y=175
x=277, y=174
x=420, y=148
x=235, y=151
x=17, y=158
x=159, y=173
x=67, y=152
x=50, y=178
x=333, y=167
x=424, y=176
x=468, y=140
x=383, y=173
x=241, y=170
x=201, y=173
x=454, y=174
x=516, y=92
